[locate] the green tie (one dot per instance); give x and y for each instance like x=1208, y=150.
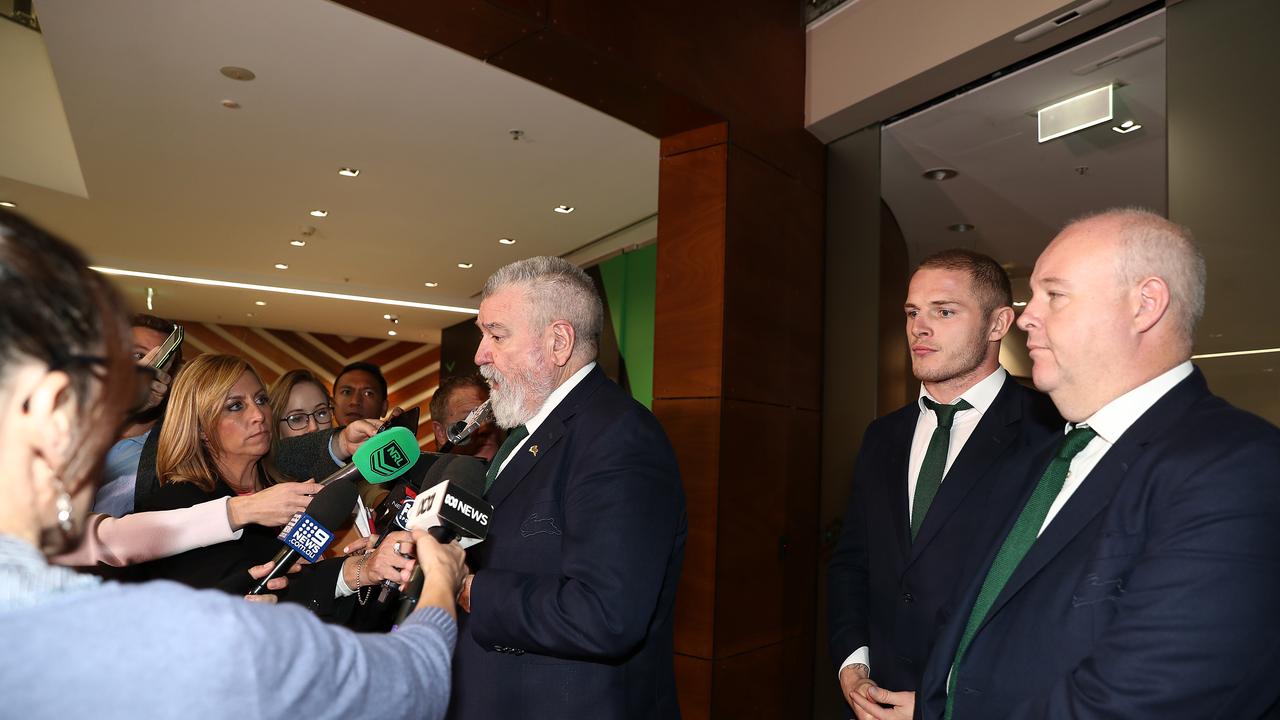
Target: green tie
x=517, y=434
x=935, y=461
x=1020, y=539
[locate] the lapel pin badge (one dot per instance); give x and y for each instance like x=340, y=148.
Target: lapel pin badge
x=533, y=450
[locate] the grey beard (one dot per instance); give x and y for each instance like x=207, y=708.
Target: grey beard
x=516, y=401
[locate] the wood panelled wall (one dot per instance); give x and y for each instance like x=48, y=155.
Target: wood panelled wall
x=738, y=326
x=412, y=369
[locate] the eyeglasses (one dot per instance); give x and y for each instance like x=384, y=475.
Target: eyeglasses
x=298, y=421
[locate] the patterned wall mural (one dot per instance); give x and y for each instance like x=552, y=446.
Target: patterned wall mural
x=412, y=369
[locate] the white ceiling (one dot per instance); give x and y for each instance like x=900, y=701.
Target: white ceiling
x=178, y=184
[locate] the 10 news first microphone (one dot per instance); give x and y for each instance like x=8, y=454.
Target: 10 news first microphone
x=446, y=503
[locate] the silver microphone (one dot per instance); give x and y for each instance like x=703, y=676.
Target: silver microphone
x=460, y=432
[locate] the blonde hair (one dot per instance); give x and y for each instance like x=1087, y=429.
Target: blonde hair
x=283, y=387
x=195, y=405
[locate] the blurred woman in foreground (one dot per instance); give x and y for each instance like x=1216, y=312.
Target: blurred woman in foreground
x=79, y=647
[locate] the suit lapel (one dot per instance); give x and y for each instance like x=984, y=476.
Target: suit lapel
x=1097, y=490
x=544, y=438
x=997, y=428
x=900, y=462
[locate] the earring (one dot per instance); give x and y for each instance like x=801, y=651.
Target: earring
x=63, y=504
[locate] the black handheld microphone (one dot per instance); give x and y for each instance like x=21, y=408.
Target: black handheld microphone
x=449, y=509
x=309, y=534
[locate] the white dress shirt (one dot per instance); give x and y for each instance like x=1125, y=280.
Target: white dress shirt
x=554, y=399
x=980, y=396
x=1110, y=423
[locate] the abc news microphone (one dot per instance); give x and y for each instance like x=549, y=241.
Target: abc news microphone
x=451, y=507
x=382, y=458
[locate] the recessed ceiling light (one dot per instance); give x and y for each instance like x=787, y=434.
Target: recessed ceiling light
x=961, y=227
x=1126, y=127
x=8, y=204
x=466, y=266
x=563, y=209
x=390, y=317
x=939, y=174
x=151, y=294
x=283, y=290
x=248, y=314
x=431, y=284
x=348, y=172
x=319, y=213
x=392, y=333
x=259, y=303
x=298, y=243
x=230, y=104
x=506, y=241
x=281, y=266
x=237, y=73
x=1019, y=303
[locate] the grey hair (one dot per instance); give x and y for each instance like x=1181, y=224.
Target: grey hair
x=557, y=290
x=1152, y=245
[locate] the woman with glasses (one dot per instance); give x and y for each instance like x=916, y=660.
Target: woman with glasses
x=301, y=404
x=81, y=647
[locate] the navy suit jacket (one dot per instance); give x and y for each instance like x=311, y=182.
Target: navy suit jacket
x=574, y=588
x=884, y=591
x=1154, y=593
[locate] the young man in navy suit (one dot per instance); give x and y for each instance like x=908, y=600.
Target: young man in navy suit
x=1141, y=576
x=570, y=607
x=928, y=489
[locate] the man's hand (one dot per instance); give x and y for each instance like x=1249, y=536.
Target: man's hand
x=464, y=595
x=854, y=681
x=444, y=567
x=902, y=705
x=346, y=442
x=158, y=388
x=272, y=507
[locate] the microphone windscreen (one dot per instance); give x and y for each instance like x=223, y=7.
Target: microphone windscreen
x=387, y=455
x=332, y=505
x=463, y=471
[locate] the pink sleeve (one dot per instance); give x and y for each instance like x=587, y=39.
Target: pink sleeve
x=147, y=536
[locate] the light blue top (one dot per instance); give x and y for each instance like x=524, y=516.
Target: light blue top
x=79, y=648
x=119, y=477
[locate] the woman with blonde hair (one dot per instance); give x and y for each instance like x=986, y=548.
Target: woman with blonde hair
x=218, y=441
x=301, y=404
x=81, y=647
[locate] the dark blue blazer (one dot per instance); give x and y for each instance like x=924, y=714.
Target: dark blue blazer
x=1154, y=593
x=884, y=591
x=571, y=605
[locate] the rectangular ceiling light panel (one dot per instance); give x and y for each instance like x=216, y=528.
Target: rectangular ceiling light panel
x=1077, y=113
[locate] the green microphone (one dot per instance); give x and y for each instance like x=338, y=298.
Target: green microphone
x=382, y=458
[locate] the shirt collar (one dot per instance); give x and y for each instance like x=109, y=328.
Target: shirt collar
x=980, y=395
x=556, y=396
x=1115, y=417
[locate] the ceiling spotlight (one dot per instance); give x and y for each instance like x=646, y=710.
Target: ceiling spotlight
x=939, y=174
x=230, y=104
x=1126, y=127
x=348, y=172
x=298, y=243
x=8, y=204
x=961, y=227
x=563, y=209
x=281, y=266
x=506, y=241
x=392, y=333
x=237, y=73
x=431, y=284
x=151, y=294
x=259, y=303
x=1019, y=303
x=466, y=266
x=319, y=213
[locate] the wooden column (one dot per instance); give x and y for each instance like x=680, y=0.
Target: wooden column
x=738, y=335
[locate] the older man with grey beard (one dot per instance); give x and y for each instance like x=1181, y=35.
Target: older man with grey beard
x=570, y=606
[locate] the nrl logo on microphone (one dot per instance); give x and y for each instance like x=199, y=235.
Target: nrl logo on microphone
x=388, y=459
